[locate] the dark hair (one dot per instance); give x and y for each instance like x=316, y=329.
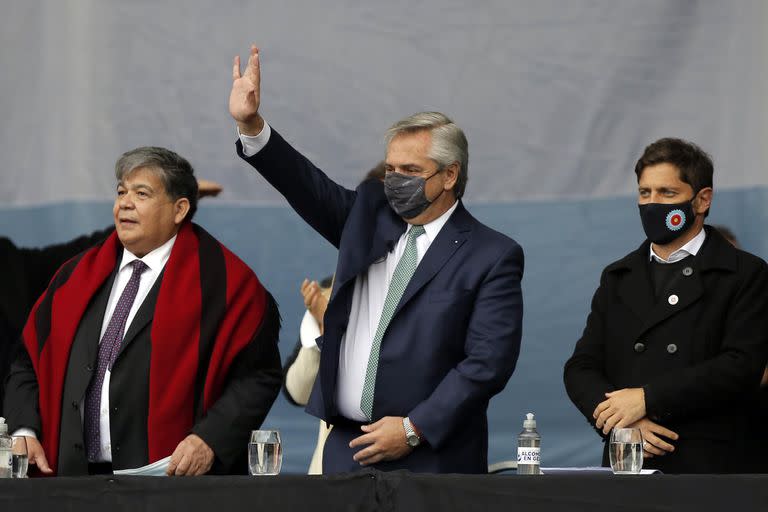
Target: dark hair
x=174, y=171
x=693, y=163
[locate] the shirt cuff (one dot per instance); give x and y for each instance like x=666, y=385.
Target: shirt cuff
x=309, y=331
x=26, y=432
x=252, y=144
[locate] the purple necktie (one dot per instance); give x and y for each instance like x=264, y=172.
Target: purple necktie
x=108, y=349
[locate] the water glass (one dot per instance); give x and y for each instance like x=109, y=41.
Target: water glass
x=626, y=451
x=265, y=452
x=19, y=457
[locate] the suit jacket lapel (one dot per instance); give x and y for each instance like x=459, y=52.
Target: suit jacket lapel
x=143, y=316
x=637, y=289
x=452, y=236
x=687, y=290
x=388, y=230
x=715, y=254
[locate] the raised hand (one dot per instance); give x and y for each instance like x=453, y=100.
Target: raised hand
x=245, y=98
x=315, y=299
x=208, y=188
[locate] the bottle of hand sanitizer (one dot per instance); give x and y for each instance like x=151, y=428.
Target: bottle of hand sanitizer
x=528, y=448
x=5, y=450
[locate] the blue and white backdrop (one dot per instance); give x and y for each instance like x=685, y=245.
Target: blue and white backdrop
x=558, y=100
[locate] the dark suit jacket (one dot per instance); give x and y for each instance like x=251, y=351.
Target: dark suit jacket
x=454, y=338
x=698, y=361
x=24, y=274
x=252, y=385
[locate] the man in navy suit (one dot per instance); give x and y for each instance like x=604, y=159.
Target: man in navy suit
x=424, y=322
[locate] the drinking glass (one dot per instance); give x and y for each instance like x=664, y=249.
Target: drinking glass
x=265, y=452
x=626, y=451
x=19, y=457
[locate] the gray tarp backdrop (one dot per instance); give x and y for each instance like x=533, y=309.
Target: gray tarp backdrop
x=557, y=99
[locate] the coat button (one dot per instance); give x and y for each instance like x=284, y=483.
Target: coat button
x=78, y=447
x=673, y=299
x=89, y=368
x=639, y=347
x=75, y=405
x=687, y=271
x=671, y=348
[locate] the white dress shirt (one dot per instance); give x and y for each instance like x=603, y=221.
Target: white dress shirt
x=689, y=249
x=367, y=303
x=155, y=262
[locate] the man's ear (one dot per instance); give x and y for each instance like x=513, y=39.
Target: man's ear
x=451, y=175
x=703, y=200
x=181, y=209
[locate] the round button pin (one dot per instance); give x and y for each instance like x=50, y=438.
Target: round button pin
x=673, y=299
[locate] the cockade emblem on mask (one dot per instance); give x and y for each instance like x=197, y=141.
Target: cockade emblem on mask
x=675, y=220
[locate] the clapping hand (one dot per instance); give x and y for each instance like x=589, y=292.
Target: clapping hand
x=315, y=300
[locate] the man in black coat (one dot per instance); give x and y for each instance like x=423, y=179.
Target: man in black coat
x=677, y=338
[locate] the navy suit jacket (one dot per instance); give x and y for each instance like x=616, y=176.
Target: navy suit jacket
x=454, y=339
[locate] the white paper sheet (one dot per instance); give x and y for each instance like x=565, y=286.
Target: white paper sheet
x=155, y=469
x=591, y=469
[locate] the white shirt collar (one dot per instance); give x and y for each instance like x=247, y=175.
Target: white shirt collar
x=155, y=259
x=689, y=249
x=431, y=229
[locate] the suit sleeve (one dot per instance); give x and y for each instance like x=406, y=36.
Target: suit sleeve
x=734, y=372
x=491, y=348
x=320, y=201
x=300, y=375
x=252, y=386
x=20, y=407
x=584, y=374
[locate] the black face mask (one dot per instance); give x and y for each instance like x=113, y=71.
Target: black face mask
x=406, y=194
x=665, y=222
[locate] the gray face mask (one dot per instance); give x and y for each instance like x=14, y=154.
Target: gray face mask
x=406, y=194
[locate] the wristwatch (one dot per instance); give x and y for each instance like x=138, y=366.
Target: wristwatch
x=412, y=439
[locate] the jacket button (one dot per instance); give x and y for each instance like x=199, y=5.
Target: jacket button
x=78, y=447
x=639, y=347
x=673, y=299
x=687, y=271
x=671, y=348
x=75, y=405
x=89, y=368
